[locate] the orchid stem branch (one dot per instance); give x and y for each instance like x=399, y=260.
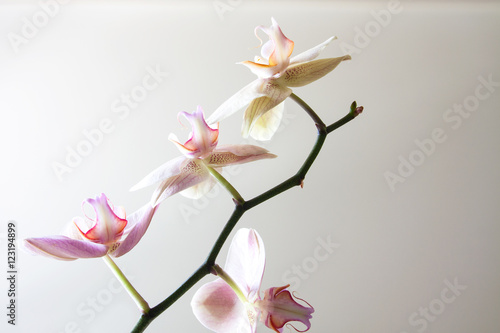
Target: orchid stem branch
x=227, y=185
x=317, y=120
x=242, y=206
x=141, y=303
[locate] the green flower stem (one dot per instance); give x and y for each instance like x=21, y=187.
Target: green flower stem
x=317, y=120
x=141, y=303
x=242, y=206
x=235, y=217
x=229, y=280
x=227, y=185
x=355, y=111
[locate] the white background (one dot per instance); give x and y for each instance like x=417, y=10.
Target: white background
x=395, y=247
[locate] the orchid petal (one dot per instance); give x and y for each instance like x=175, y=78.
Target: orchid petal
x=139, y=222
x=246, y=261
x=108, y=226
x=312, y=53
x=283, y=47
x=165, y=171
x=225, y=155
x=300, y=74
x=191, y=173
x=274, y=95
x=267, y=124
x=218, y=308
x=237, y=101
x=65, y=248
x=203, y=138
x=197, y=191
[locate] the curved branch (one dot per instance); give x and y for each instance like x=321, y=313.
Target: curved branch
x=241, y=207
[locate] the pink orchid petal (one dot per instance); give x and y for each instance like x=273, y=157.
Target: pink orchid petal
x=237, y=101
x=283, y=47
x=203, y=138
x=279, y=307
x=274, y=95
x=165, y=171
x=246, y=260
x=139, y=220
x=108, y=226
x=267, y=49
x=312, y=53
x=192, y=172
x=300, y=74
x=218, y=308
x=225, y=155
x=64, y=248
x=267, y=124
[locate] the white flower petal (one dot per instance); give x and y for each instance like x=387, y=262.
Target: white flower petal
x=312, y=53
x=163, y=172
x=267, y=124
x=246, y=260
x=274, y=95
x=236, y=102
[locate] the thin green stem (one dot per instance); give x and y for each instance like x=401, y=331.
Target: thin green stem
x=317, y=120
x=147, y=318
x=235, y=217
x=227, y=185
x=141, y=303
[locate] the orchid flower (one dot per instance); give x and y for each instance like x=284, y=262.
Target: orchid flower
x=232, y=303
x=276, y=72
x=111, y=232
x=191, y=173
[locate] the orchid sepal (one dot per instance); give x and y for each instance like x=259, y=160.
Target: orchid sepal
x=301, y=74
x=64, y=248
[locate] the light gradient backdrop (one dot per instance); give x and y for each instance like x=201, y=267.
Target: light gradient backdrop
x=395, y=250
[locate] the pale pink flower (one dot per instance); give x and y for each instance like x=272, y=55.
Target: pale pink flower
x=276, y=72
x=189, y=173
x=227, y=309
x=110, y=232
